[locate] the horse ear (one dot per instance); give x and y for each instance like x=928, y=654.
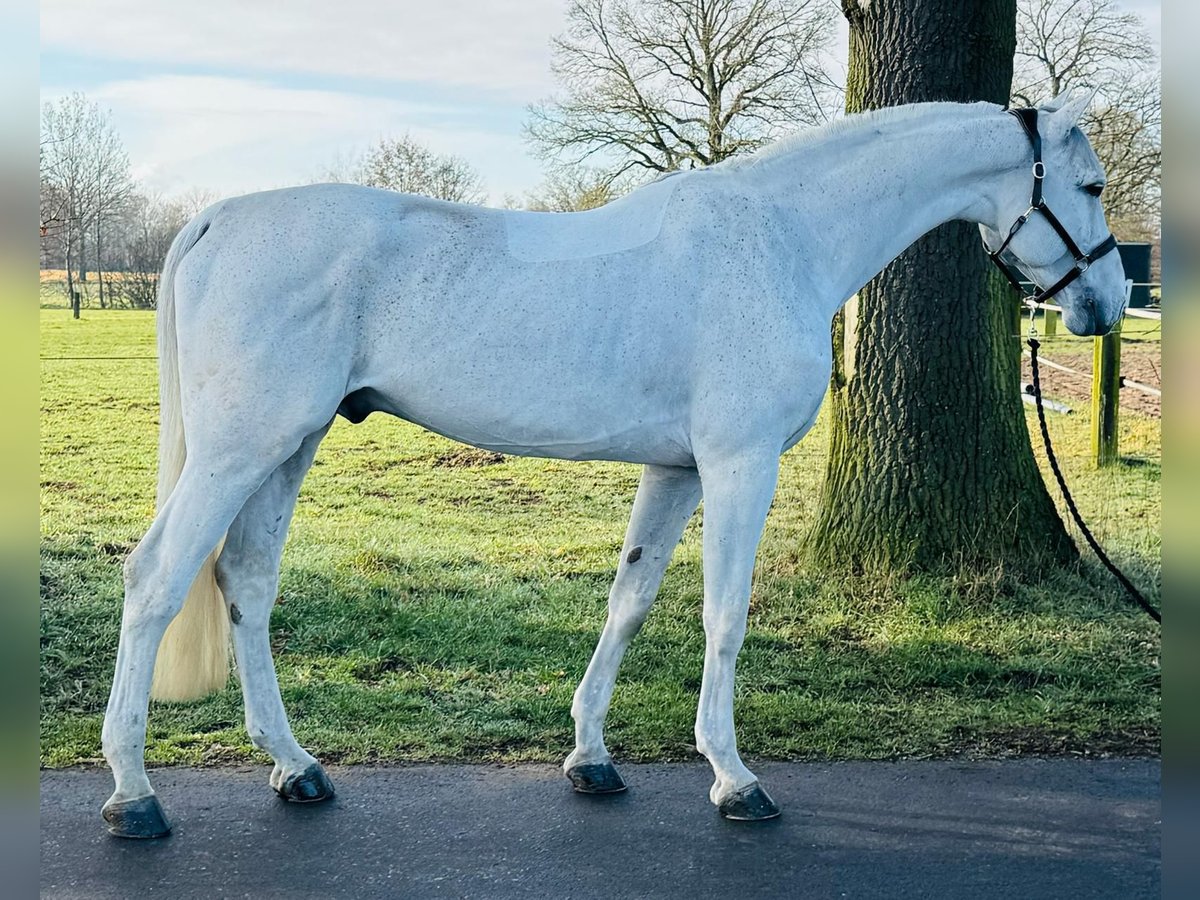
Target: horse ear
x=1054, y=104
x=1065, y=110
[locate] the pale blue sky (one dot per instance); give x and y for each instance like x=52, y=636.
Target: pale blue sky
x=239, y=95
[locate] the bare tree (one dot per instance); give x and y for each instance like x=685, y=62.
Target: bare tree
x=194, y=201
x=1125, y=129
x=53, y=215
x=65, y=174
x=149, y=226
x=573, y=190
x=1084, y=42
x=404, y=164
x=85, y=179
x=1094, y=44
x=112, y=189
x=657, y=85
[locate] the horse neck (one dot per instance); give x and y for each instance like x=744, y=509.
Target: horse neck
x=862, y=196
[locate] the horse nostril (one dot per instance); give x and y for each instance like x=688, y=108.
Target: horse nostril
x=1082, y=317
x=1097, y=321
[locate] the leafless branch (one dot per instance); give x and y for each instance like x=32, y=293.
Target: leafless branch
x=404, y=164
x=659, y=85
x=1094, y=44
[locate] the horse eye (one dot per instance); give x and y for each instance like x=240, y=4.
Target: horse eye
x=1094, y=189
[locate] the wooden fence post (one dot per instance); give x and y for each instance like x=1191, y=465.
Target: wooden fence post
x=1049, y=322
x=1106, y=396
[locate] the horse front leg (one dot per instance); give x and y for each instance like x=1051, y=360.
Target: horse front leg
x=666, y=498
x=737, y=496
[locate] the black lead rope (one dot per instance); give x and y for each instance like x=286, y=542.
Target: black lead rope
x=1133, y=592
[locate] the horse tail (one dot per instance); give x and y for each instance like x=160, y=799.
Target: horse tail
x=193, y=658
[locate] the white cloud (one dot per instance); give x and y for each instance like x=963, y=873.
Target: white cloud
x=254, y=125
x=499, y=45
x=234, y=135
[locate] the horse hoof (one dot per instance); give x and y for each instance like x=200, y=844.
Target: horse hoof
x=596, y=778
x=750, y=804
x=310, y=786
x=140, y=818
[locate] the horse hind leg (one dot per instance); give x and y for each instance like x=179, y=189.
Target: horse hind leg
x=248, y=575
x=666, y=499
x=212, y=488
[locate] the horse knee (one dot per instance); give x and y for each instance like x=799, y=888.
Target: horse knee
x=229, y=570
x=627, y=613
x=134, y=569
x=725, y=631
x=147, y=602
x=249, y=594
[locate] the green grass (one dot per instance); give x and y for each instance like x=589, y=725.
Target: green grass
x=438, y=611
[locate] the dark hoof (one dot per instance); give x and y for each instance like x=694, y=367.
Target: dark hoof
x=140, y=818
x=310, y=786
x=750, y=804
x=596, y=778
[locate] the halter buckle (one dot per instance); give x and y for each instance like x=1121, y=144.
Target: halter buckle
x=1039, y=170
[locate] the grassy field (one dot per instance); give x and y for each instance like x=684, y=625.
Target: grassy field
x=437, y=604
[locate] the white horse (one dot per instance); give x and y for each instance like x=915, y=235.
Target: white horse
x=684, y=327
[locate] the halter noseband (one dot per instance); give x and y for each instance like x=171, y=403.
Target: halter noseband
x=1028, y=120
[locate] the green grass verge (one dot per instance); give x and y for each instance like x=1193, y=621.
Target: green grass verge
x=435, y=610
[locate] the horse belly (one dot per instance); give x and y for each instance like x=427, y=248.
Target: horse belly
x=529, y=379
x=559, y=427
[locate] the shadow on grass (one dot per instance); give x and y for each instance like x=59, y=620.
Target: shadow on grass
x=1152, y=467
x=422, y=658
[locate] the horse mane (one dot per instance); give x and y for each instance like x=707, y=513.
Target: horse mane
x=863, y=123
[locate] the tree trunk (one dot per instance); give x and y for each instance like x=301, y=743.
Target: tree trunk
x=930, y=464
x=72, y=294
x=99, y=263
x=81, y=276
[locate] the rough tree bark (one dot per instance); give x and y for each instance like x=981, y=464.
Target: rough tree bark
x=930, y=463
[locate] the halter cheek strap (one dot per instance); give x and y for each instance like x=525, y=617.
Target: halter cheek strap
x=1037, y=204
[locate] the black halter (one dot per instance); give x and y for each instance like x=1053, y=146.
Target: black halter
x=1028, y=120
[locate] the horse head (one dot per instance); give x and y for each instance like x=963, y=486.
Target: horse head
x=1058, y=237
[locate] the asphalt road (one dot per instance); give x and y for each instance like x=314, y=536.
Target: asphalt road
x=1017, y=830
